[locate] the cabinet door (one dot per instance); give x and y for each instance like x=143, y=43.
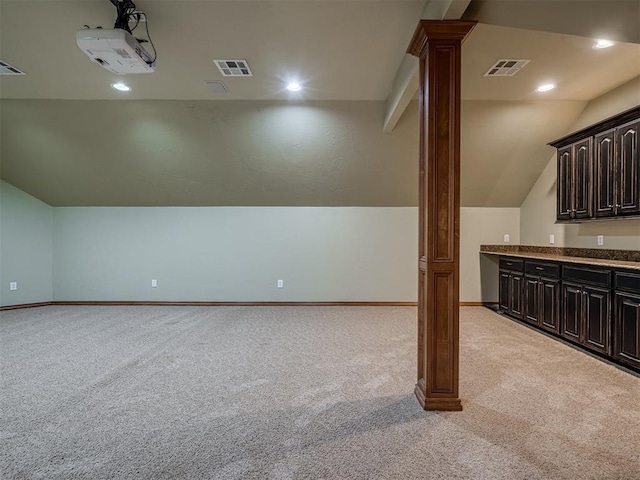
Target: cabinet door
x=582, y=186
x=505, y=291
x=628, y=174
x=627, y=329
x=550, y=304
x=517, y=295
x=605, y=171
x=597, y=313
x=532, y=300
x=564, y=183
x=571, y=312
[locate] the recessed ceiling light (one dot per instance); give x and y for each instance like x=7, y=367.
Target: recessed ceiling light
x=121, y=86
x=546, y=87
x=294, y=87
x=600, y=44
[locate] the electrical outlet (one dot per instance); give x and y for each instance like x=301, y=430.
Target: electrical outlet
x=506, y=238
x=552, y=239
x=280, y=284
x=13, y=285
x=154, y=283
x=600, y=239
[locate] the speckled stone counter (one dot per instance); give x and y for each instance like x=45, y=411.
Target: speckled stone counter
x=590, y=256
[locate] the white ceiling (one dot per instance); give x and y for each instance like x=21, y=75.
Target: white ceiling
x=344, y=50
x=579, y=71
x=339, y=50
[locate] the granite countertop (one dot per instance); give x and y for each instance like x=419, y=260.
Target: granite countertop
x=591, y=256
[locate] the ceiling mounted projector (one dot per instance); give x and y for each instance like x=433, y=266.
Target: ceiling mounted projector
x=116, y=50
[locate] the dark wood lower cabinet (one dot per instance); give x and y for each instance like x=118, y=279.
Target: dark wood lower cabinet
x=597, y=317
x=596, y=308
x=542, y=295
x=542, y=302
x=511, y=293
x=550, y=304
x=586, y=307
x=586, y=316
x=626, y=323
x=571, y=312
x=512, y=287
x=532, y=300
x=627, y=327
x=517, y=304
x=505, y=291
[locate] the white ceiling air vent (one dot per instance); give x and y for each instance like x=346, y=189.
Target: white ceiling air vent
x=6, y=69
x=233, y=68
x=506, y=68
x=216, y=86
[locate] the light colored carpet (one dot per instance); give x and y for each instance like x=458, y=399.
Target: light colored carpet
x=299, y=392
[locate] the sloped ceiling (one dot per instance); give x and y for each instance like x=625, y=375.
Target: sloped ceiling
x=69, y=139
x=617, y=20
x=199, y=153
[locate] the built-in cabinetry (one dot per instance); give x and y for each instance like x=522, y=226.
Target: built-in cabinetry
x=626, y=325
x=593, y=307
x=575, y=180
x=511, y=282
x=542, y=295
x=599, y=170
x=586, y=307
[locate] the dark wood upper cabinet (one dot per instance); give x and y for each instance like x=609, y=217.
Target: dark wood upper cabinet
x=605, y=173
x=599, y=170
x=565, y=182
x=628, y=170
x=575, y=166
x=582, y=186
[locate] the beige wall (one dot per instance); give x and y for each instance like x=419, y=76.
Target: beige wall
x=235, y=253
x=478, y=226
x=230, y=253
x=209, y=153
x=238, y=253
x=538, y=211
x=26, y=229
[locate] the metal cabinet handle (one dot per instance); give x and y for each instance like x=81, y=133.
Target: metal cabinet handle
x=539, y=268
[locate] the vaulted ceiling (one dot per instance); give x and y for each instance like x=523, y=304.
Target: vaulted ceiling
x=341, y=51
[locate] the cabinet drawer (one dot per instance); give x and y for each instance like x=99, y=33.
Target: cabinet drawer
x=549, y=270
x=627, y=281
x=513, y=264
x=587, y=275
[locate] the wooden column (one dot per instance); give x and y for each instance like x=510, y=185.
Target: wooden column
x=437, y=43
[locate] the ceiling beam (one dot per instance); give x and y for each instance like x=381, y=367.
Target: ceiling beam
x=405, y=83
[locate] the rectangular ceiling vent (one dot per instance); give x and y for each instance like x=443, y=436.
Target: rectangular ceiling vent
x=6, y=69
x=233, y=68
x=506, y=68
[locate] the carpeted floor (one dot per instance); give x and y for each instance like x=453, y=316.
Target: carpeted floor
x=297, y=393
